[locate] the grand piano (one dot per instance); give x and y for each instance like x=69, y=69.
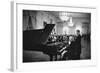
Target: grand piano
x=37, y=40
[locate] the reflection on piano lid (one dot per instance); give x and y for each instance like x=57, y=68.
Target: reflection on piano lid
x=36, y=37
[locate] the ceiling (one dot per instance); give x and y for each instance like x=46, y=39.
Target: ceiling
x=72, y=14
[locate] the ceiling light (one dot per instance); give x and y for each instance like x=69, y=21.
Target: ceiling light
x=63, y=16
x=70, y=22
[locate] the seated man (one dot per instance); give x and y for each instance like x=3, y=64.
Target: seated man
x=71, y=49
x=70, y=54
x=74, y=49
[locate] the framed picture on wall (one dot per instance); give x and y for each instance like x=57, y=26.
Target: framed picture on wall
x=52, y=36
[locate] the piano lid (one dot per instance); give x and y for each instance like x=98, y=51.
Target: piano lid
x=37, y=36
x=46, y=32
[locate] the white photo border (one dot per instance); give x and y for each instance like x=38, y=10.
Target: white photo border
x=17, y=23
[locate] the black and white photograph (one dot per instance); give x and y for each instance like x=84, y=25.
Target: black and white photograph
x=52, y=36
x=55, y=36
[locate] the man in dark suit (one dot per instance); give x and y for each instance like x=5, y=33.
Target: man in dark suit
x=78, y=45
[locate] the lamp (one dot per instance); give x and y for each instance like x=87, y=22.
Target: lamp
x=70, y=22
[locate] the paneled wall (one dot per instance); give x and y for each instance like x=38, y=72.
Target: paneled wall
x=38, y=18
x=26, y=15
x=83, y=24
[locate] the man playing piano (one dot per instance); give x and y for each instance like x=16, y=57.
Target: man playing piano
x=74, y=48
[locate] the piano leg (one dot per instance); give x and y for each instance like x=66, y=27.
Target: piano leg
x=60, y=56
x=51, y=57
x=55, y=57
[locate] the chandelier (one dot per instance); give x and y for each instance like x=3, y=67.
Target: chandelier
x=63, y=16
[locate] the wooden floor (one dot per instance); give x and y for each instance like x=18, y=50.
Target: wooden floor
x=34, y=56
